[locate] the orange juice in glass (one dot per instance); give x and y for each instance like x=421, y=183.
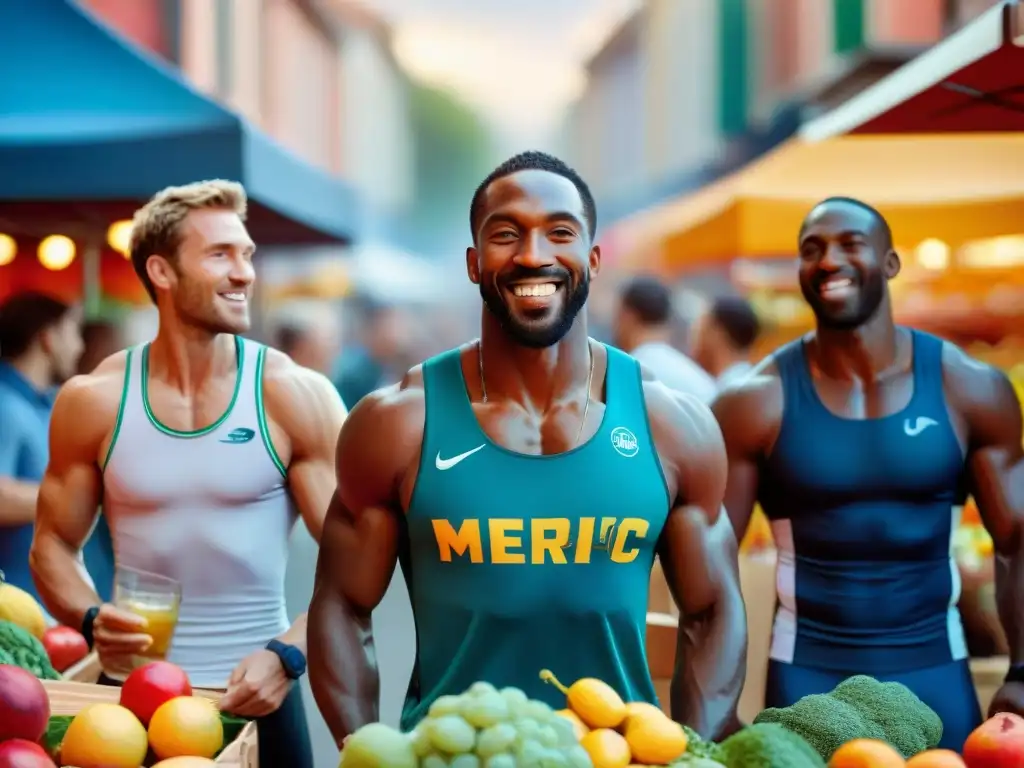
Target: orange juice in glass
x=155, y=598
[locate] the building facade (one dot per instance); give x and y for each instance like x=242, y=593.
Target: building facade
x=316, y=75
x=681, y=83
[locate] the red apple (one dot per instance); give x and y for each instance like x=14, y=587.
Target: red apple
x=996, y=743
x=24, y=705
x=64, y=646
x=18, y=753
x=150, y=686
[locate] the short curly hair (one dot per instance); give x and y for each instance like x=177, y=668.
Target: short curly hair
x=156, y=226
x=535, y=161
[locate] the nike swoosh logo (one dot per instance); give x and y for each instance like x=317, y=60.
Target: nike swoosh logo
x=444, y=464
x=921, y=423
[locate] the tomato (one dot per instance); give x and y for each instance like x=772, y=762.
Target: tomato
x=150, y=686
x=18, y=753
x=64, y=646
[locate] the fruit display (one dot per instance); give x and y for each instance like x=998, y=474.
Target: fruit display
x=156, y=721
x=64, y=647
x=996, y=743
x=19, y=608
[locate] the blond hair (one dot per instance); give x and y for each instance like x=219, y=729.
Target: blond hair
x=156, y=226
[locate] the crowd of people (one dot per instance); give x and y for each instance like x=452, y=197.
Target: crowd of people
x=525, y=481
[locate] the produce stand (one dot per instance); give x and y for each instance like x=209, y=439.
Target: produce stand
x=79, y=689
x=757, y=582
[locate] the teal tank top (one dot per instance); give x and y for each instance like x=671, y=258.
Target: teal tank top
x=517, y=563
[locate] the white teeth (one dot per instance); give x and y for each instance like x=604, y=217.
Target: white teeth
x=537, y=289
x=836, y=285
x=234, y=296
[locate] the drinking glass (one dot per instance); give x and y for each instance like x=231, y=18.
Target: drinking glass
x=155, y=598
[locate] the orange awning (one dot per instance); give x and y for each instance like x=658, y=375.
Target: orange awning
x=955, y=188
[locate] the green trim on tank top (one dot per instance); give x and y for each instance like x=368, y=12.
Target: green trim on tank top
x=261, y=414
x=240, y=356
x=120, y=410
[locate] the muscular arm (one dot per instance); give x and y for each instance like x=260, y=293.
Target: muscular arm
x=309, y=410
x=749, y=414
x=986, y=400
x=698, y=553
x=69, y=497
x=358, y=553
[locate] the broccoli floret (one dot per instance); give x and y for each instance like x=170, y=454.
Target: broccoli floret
x=907, y=723
x=767, y=745
x=697, y=746
x=824, y=722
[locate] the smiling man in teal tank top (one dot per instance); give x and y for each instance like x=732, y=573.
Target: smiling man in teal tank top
x=525, y=483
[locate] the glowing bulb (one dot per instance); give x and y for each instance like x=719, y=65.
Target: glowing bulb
x=119, y=236
x=56, y=252
x=933, y=254
x=8, y=249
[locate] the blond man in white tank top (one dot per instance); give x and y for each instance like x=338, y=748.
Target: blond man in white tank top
x=204, y=447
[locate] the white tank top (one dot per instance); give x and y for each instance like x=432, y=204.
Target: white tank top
x=209, y=509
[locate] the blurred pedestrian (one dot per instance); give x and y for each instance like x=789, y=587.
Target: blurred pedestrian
x=309, y=336
x=371, y=360
x=40, y=346
x=643, y=327
x=102, y=339
x=723, y=337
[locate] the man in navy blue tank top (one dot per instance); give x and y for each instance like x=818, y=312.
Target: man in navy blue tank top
x=861, y=441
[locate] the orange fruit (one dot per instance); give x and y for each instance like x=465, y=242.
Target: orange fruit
x=186, y=726
x=639, y=708
x=654, y=738
x=936, y=758
x=104, y=736
x=607, y=748
x=866, y=753
x=185, y=762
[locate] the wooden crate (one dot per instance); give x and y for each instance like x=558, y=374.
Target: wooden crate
x=79, y=689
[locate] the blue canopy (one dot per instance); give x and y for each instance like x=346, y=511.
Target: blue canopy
x=91, y=124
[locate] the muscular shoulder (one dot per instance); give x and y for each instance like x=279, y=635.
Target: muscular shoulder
x=298, y=398
x=749, y=411
x=86, y=406
x=689, y=443
x=380, y=441
x=981, y=394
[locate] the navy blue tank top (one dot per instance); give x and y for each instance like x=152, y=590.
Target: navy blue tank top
x=863, y=513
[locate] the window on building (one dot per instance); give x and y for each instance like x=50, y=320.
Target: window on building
x=733, y=53
x=224, y=12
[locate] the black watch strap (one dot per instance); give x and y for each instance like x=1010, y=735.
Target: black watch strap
x=87, y=624
x=1015, y=674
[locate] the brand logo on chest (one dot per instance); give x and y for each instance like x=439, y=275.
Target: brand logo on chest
x=240, y=435
x=625, y=442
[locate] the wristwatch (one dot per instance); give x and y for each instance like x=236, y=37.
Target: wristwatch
x=1015, y=674
x=292, y=659
x=88, y=621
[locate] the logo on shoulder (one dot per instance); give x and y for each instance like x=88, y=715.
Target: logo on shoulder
x=625, y=442
x=240, y=435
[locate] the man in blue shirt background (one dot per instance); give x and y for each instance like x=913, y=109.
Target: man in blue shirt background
x=40, y=345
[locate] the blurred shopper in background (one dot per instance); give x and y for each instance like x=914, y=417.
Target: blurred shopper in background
x=371, y=361
x=723, y=337
x=309, y=335
x=643, y=328
x=40, y=347
x=101, y=340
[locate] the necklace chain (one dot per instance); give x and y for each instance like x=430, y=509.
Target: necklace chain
x=590, y=383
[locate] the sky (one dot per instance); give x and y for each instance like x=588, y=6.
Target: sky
x=520, y=63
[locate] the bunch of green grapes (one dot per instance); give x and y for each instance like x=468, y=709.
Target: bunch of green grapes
x=488, y=728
